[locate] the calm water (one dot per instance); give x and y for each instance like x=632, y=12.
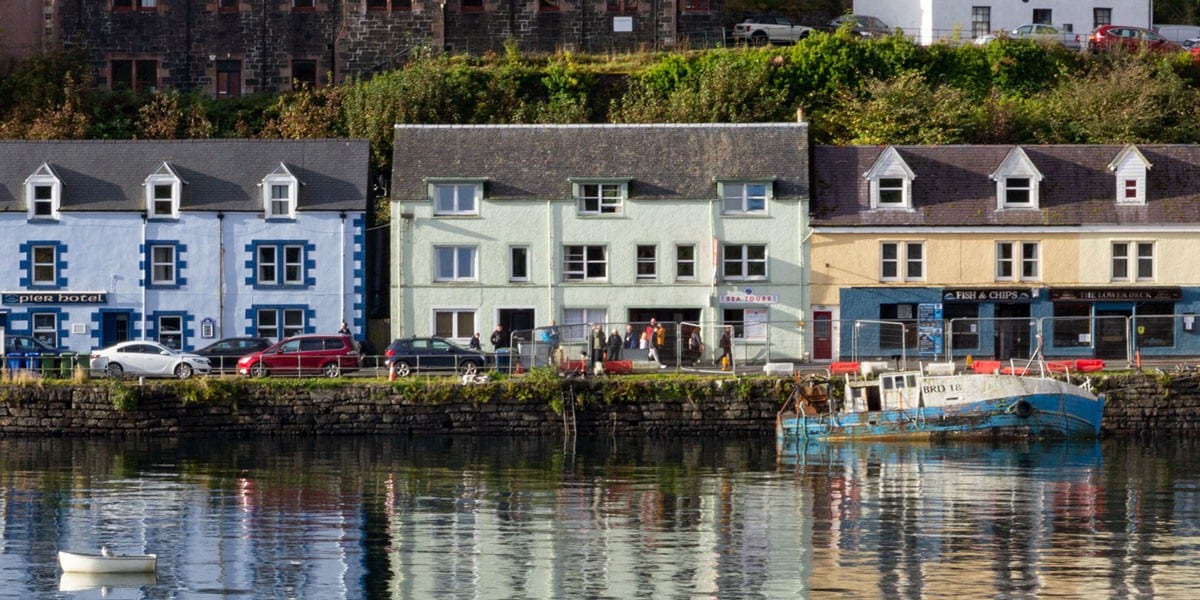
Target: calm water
x=625, y=518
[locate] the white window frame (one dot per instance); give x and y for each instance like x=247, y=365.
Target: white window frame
x=35, y=263
x=596, y=198
x=456, y=198
x=281, y=180
x=744, y=262
x=1021, y=258
x=902, y=261
x=1137, y=259
x=44, y=327
x=165, y=263
x=518, y=263
x=1017, y=173
x=647, y=262
x=578, y=258
x=455, y=313
x=685, y=264
x=890, y=167
x=464, y=263
x=577, y=322
x=271, y=330
x=163, y=178
x=292, y=268
x=176, y=330
x=261, y=263
x=745, y=197
x=1129, y=168
x=43, y=178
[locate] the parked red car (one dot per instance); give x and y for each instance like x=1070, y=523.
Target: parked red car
x=1129, y=37
x=328, y=355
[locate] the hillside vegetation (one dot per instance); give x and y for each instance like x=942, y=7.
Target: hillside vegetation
x=852, y=91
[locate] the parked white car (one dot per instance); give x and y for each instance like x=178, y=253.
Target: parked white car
x=147, y=359
x=777, y=30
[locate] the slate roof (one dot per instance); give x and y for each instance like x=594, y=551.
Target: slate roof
x=953, y=186
x=220, y=175
x=675, y=161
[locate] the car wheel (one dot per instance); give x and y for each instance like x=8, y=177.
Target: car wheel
x=331, y=369
x=114, y=370
x=401, y=368
x=258, y=370
x=758, y=38
x=469, y=367
x=183, y=370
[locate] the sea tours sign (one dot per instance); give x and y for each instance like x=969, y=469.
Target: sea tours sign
x=748, y=297
x=1018, y=295
x=54, y=297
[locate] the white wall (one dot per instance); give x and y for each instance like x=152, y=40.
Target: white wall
x=932, y=20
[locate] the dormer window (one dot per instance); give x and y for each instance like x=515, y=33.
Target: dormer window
x=43, y=194
x=890, y=182
x=742, y=197
x=599, y=197
x=163, y=190
x=280, y=191
x=1130, y=167
x=455, y=197
x=1017, y=182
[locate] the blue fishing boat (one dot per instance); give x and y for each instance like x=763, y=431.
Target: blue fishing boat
x=938, y=403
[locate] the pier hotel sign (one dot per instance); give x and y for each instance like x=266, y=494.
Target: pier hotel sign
x=54, y=297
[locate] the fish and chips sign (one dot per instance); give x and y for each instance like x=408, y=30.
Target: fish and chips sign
x=54, y=297
x=1018, y=295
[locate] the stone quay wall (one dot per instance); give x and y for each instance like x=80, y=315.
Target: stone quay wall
x=1141, y=404
x=247, y=408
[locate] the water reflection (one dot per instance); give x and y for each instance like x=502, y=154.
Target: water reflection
x=500, y=518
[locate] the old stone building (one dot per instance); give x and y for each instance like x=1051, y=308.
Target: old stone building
x=227, y=48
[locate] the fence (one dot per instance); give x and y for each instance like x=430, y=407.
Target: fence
x=1125, y=338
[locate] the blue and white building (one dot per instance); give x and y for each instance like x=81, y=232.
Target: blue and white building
x=183, y=242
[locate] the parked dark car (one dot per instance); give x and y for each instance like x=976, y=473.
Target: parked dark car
x=408, y=355
x=328, y=355
x=863, y=25
x=28, y=343
x=224, y=354
x=1132, y=39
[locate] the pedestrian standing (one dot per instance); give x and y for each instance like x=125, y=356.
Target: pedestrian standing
x=614, y=345
x=652, y=339
x=475, y=345
x=597, y=344
x=631, y=338
x=498, y=340
x=726, y=344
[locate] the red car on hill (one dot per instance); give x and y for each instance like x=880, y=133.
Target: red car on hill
x=1130, y=38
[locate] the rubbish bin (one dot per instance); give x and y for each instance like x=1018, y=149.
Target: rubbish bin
x=49, y=366
x=33, y=361
x=503, y=359
x=14, y=361
x=66, y=365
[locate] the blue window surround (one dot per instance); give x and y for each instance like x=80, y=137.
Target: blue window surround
x=26, y=265
x=180, y=265
x=252, y=314
x=189, y=329
x=135, y=319
x=61, y=318
x=308, y=264
x=359, y=261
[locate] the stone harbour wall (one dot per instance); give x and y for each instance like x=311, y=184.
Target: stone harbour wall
x=172, y=409
x=1140, y=404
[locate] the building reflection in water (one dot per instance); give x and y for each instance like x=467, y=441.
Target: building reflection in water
x=454, y=517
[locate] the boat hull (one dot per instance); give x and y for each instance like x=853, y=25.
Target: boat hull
x=1016, y=407
x=74, y=562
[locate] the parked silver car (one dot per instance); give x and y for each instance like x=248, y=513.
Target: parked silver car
x=143, y=358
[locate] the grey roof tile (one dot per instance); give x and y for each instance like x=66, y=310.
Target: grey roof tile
x=221, y=175
x=953, y=186
x=675, y=161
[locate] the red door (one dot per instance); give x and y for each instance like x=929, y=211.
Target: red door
x=822, y=335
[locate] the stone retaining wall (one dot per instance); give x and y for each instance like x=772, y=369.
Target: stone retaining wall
x=1138, y=405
